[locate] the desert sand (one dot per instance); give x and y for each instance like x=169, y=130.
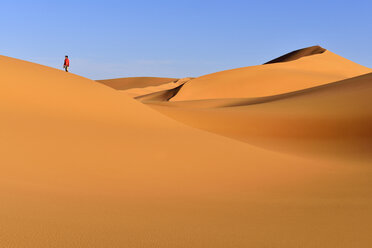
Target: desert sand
x=191, y=162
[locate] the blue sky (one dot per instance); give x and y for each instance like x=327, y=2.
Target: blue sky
x=108, y=39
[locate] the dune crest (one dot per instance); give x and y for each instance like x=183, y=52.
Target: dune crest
x=308, y=51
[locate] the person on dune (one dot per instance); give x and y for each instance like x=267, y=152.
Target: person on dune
x=66, y=64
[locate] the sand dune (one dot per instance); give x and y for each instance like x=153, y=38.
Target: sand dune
x=85, y=165
x=333, y=119
x=271, y=79
x=135, y=82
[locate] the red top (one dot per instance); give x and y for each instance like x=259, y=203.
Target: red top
x=67, y=62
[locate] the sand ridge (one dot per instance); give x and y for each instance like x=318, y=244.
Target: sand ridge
x=308, y=51
x=150, y=90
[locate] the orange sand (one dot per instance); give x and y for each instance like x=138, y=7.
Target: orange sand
x=85, y=165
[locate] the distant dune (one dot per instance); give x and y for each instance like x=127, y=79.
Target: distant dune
x=135, y=82
x=271, y=79
x=275, y=155
x=150, y=90
x=162, y=95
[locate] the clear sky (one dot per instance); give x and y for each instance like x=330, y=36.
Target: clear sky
x=108, y=39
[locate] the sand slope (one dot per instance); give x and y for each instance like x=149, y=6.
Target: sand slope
x=333, y=119
x=271, y=79
x=83, y=165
